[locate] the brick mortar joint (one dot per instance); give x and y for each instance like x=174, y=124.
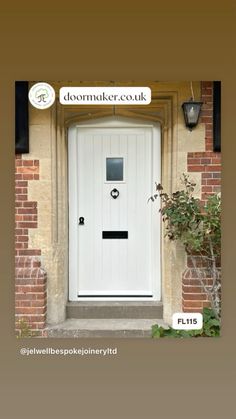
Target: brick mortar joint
x=30, y=272
x=27, y=261
x=193, y=271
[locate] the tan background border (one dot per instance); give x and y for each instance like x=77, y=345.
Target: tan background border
x=187, y=379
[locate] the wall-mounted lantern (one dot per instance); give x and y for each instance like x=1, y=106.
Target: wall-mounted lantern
x=191, y=111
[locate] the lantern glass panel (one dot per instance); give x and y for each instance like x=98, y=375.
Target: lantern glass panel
x=192, y=113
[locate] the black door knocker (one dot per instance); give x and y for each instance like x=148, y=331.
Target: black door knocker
x=115, y=193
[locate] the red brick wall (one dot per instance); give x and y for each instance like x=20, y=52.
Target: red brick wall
x=30, y=279
x=194, y=297
x=31, y=294
x=208, y=163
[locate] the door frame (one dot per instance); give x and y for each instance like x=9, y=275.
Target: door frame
x=112, y=122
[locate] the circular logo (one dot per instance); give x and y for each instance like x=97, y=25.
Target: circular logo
x=42, y=95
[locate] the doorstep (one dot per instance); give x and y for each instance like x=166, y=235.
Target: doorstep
x=104, y=328
x=114, y=310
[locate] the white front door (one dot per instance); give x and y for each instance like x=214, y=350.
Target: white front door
x=114, y=231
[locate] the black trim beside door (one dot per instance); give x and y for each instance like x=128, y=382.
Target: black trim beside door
x=21, y=117
x=217, y=116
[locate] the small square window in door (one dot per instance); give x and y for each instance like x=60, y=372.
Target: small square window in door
x=114, y=169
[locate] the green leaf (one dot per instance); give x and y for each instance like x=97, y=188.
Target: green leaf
x=213, y=322
x=157, y=331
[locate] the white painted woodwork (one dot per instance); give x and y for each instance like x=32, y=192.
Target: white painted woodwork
x=117, y=268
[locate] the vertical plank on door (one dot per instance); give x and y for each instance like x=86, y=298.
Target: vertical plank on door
x=132, y=205
x=97, y=207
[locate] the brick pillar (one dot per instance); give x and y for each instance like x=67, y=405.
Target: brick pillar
x=31, y=294
x=194, y=297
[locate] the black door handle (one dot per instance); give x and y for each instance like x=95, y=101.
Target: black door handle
x=81, y=221
x=115, y=193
